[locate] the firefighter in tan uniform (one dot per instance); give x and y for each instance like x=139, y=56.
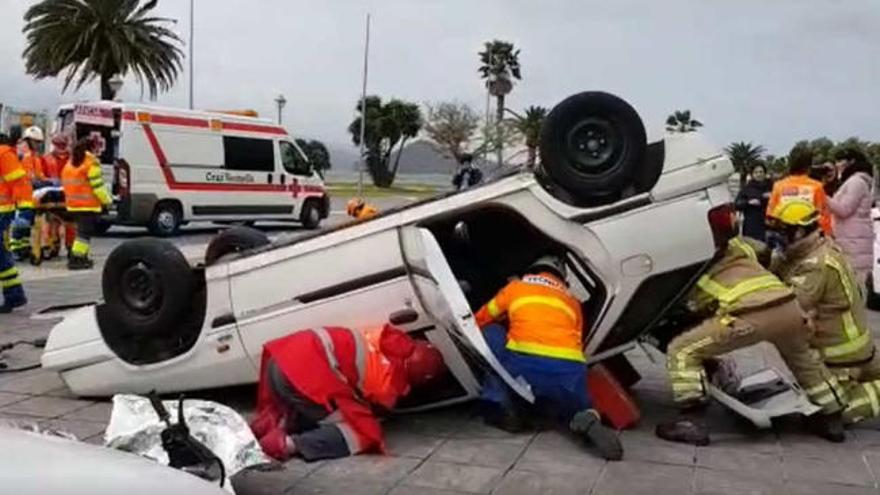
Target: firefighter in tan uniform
x=743, y=304
x=826, y=288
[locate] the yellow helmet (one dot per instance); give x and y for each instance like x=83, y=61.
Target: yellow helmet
x=796, y=213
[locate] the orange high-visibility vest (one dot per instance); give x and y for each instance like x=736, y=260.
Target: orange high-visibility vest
x=15, y=188
x=78, y=192
x=804, y=188
x=33, y=165
x=543, y=318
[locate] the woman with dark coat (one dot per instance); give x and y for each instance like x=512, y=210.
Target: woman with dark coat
x=752, y=202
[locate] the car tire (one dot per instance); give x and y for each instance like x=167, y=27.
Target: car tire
x=593, y=144
x=148, y=286
x=234, y=240
x=872, y=298
x=166, y=219
x=310, y=215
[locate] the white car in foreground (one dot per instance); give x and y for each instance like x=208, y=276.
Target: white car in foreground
x=634, y=221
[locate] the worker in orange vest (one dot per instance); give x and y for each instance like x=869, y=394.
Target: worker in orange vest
x=358, y=209
x=15, y=195
x=85, y=197
x=543, y=345
x=32, y=162
x=320, y=389
x=56, y=227
x=799, y=186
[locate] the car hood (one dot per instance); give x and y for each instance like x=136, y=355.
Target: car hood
x=37, y=464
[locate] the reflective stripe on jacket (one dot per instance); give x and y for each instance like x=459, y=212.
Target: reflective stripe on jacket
x=544, y=319
x=805, y=188
x=338, y=369
x=15, y=188
x=825, y=286
x=84, y=186
x=737, y=283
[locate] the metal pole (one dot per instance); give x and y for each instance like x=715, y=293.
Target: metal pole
x=363, y=165
x=192, y=9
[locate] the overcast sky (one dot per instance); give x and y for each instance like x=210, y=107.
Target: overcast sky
x=768, y=71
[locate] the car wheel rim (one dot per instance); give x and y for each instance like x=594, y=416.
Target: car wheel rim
x=166, y=220
x=140, y=288
x=594, y=145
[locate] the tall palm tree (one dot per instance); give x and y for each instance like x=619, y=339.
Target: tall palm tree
x=529, y=125
x=681, y=121
x=88, y=39
x=744, y=156
x=499, y=66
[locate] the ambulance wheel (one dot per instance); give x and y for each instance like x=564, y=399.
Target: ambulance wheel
x=148, y=286
x=166, y=219
x=311, y=215
x=593, y=145
x=234, y=240
x=873, y=299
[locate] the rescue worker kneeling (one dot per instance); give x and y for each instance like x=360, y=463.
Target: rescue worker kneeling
x=744, y=304
x=85, y=196
x=319, y=388
x=827, y=288
x=358, y=209
x=543, y=345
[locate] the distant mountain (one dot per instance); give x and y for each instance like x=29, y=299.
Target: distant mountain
x=419, y=157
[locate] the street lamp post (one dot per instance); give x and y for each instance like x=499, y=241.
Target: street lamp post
x=115, y=84
x=280, y=101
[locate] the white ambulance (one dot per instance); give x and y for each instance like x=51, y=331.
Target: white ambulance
x=172, y=166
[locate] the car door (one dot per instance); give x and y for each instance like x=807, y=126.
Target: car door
x=440, y=295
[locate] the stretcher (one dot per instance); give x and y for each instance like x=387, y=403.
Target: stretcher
x=50, y=211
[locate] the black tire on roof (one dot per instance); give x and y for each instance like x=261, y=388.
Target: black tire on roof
x=148, y=286
x=593, y=144
x=234, y=240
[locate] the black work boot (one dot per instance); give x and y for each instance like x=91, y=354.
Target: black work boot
x=827, y=426
x=588, y=425
x=79, y=263
x=684, y=430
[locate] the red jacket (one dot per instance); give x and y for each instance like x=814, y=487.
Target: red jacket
x=339, y=369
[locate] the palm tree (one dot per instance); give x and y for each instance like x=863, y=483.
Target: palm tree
x=389, y=126
x=529, y=125
x=744, y=156
x=88, y=39
x=499, y=66
x=681, y=121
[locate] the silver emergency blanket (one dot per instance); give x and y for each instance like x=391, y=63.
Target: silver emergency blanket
x=135, y=427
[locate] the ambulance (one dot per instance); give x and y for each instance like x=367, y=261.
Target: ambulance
x=170, y=166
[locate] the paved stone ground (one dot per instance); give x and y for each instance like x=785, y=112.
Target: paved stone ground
x=451, y=451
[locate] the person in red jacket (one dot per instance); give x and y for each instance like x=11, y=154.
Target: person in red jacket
x=319, y=389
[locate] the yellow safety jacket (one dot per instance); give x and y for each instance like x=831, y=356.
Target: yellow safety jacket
x=738, y=283
x=826, y=287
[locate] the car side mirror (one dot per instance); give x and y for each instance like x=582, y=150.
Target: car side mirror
x=403, y=317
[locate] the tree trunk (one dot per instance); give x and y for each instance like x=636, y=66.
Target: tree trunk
x=106, y=91
x=397, y=158
x=531, y=158
x=499, y=116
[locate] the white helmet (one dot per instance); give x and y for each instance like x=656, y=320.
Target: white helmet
x=33, y=132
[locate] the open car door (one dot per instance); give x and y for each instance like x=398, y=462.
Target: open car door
x=441, y=297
